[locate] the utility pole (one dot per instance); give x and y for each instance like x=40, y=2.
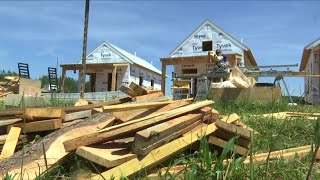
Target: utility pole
x=84, y=50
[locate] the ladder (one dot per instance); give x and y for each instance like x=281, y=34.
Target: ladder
x=53, y=79
x=23, y=70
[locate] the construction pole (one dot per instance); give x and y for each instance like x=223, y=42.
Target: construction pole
x=84, y=51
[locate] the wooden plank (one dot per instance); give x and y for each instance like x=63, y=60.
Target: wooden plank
x=227, y=136
x=69, y=123
x=155, y=136
x=35, y=114
x=128, y=91
x=231, y=118
x=126, y=107
x=163, y=77
x=5, y=122
x=214, y=115
x=39, y=126
x=234, y=129
x=108, y=154
x=81, y=102
x=131, y=126
x=114, y=78
x=97, y=105
x=77, y=115
x=156, y=156
x=198, y=127
x=137, y=89
x=33, y=162
x=139, y=113
x=11, y=112
x=148, y=96
x=5, y=136
x=154, y=91
x=222, y=143
x=11, y=143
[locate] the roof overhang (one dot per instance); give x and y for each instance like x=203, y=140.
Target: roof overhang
x=304, y=60
x=92, y=66
x=251, y=57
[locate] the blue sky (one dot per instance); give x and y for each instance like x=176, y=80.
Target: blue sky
x=38, y=32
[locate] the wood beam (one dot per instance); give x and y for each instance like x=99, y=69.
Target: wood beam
x=113, y=82
x=163, y=78
x=63, y=79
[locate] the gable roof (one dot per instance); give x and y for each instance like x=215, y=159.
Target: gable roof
x=220, y=30
x=209, y=22
x=306, y=53
x=128, y=56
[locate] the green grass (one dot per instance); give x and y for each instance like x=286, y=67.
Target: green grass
x=206, y=163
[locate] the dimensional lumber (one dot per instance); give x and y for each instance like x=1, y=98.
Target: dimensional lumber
x=214, y=115
x=11, y=143
x=137, y=89
x=148, y=96
x=97, y=105
x=155, y=136
x=199, y=126
x=156, y=156
x=153, y=91
x=39, y=126
x=234, y=129
x=108, y=154
x=128, y=91
x=227, y=136
x=96, y=110
x=5, y=122
x=35, y=114
x=231, y=118
x=77, y=115
x=33, y=156
x=222, y=143
x=126, y=107
x=5, y=136
x=139, y=113
x=69, y=123
x=130, y=126
x=81, y=102
x=11, y=112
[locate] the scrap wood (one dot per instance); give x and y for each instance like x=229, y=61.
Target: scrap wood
x=5, y=136
x=155, y=136
x=214, y=115
x=11, y=143
x=149, y=96
x=128, y=91
x=222, y=143
x=39, y=126
x=82, y=102
x=97, y=105
x=108, y=154
x=34, y=160
x=126, y=107
x=11, y=112
x=77, y=115
x=35, y=114
x=231, y=118
x=289, y=115
x=153, y=91
x=4, y=94
x=234, y=129
x=130, y=126
x=139, y=113
x=8, y=121
x=227, y=136
x=157, y=155
x=69, y=123
x=137, y=89
x=239, y=79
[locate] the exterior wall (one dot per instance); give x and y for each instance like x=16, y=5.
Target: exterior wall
x=312, y=84
x=137, y=71
x=193, y=47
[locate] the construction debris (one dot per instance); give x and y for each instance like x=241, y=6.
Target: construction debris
x=289, y=115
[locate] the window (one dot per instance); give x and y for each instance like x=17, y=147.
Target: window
x=189, y=71
x=140, y=80
x=206, y=45
x=315, y=56
x=152, y=83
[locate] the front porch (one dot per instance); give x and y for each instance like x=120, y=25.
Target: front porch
x=92, y=70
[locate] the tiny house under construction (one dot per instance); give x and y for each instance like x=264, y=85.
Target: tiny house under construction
x=310, y=63
x=109, y=67
x=190, y=58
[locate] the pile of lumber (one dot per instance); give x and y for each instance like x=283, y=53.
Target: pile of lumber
x=289, y=115
x=125, y=135
x=135, y=90
x=7, y=86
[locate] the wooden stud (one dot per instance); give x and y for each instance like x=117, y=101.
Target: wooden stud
x=11, y=143
x=35, y=114
x=77, y=115
x=126, y=107
x=39, y=126
x=234, y=129
x=114, y=76
x=222, y=143
x=163, y=78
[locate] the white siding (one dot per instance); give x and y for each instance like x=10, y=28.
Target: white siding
x=136, y=72
x=312, y=83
